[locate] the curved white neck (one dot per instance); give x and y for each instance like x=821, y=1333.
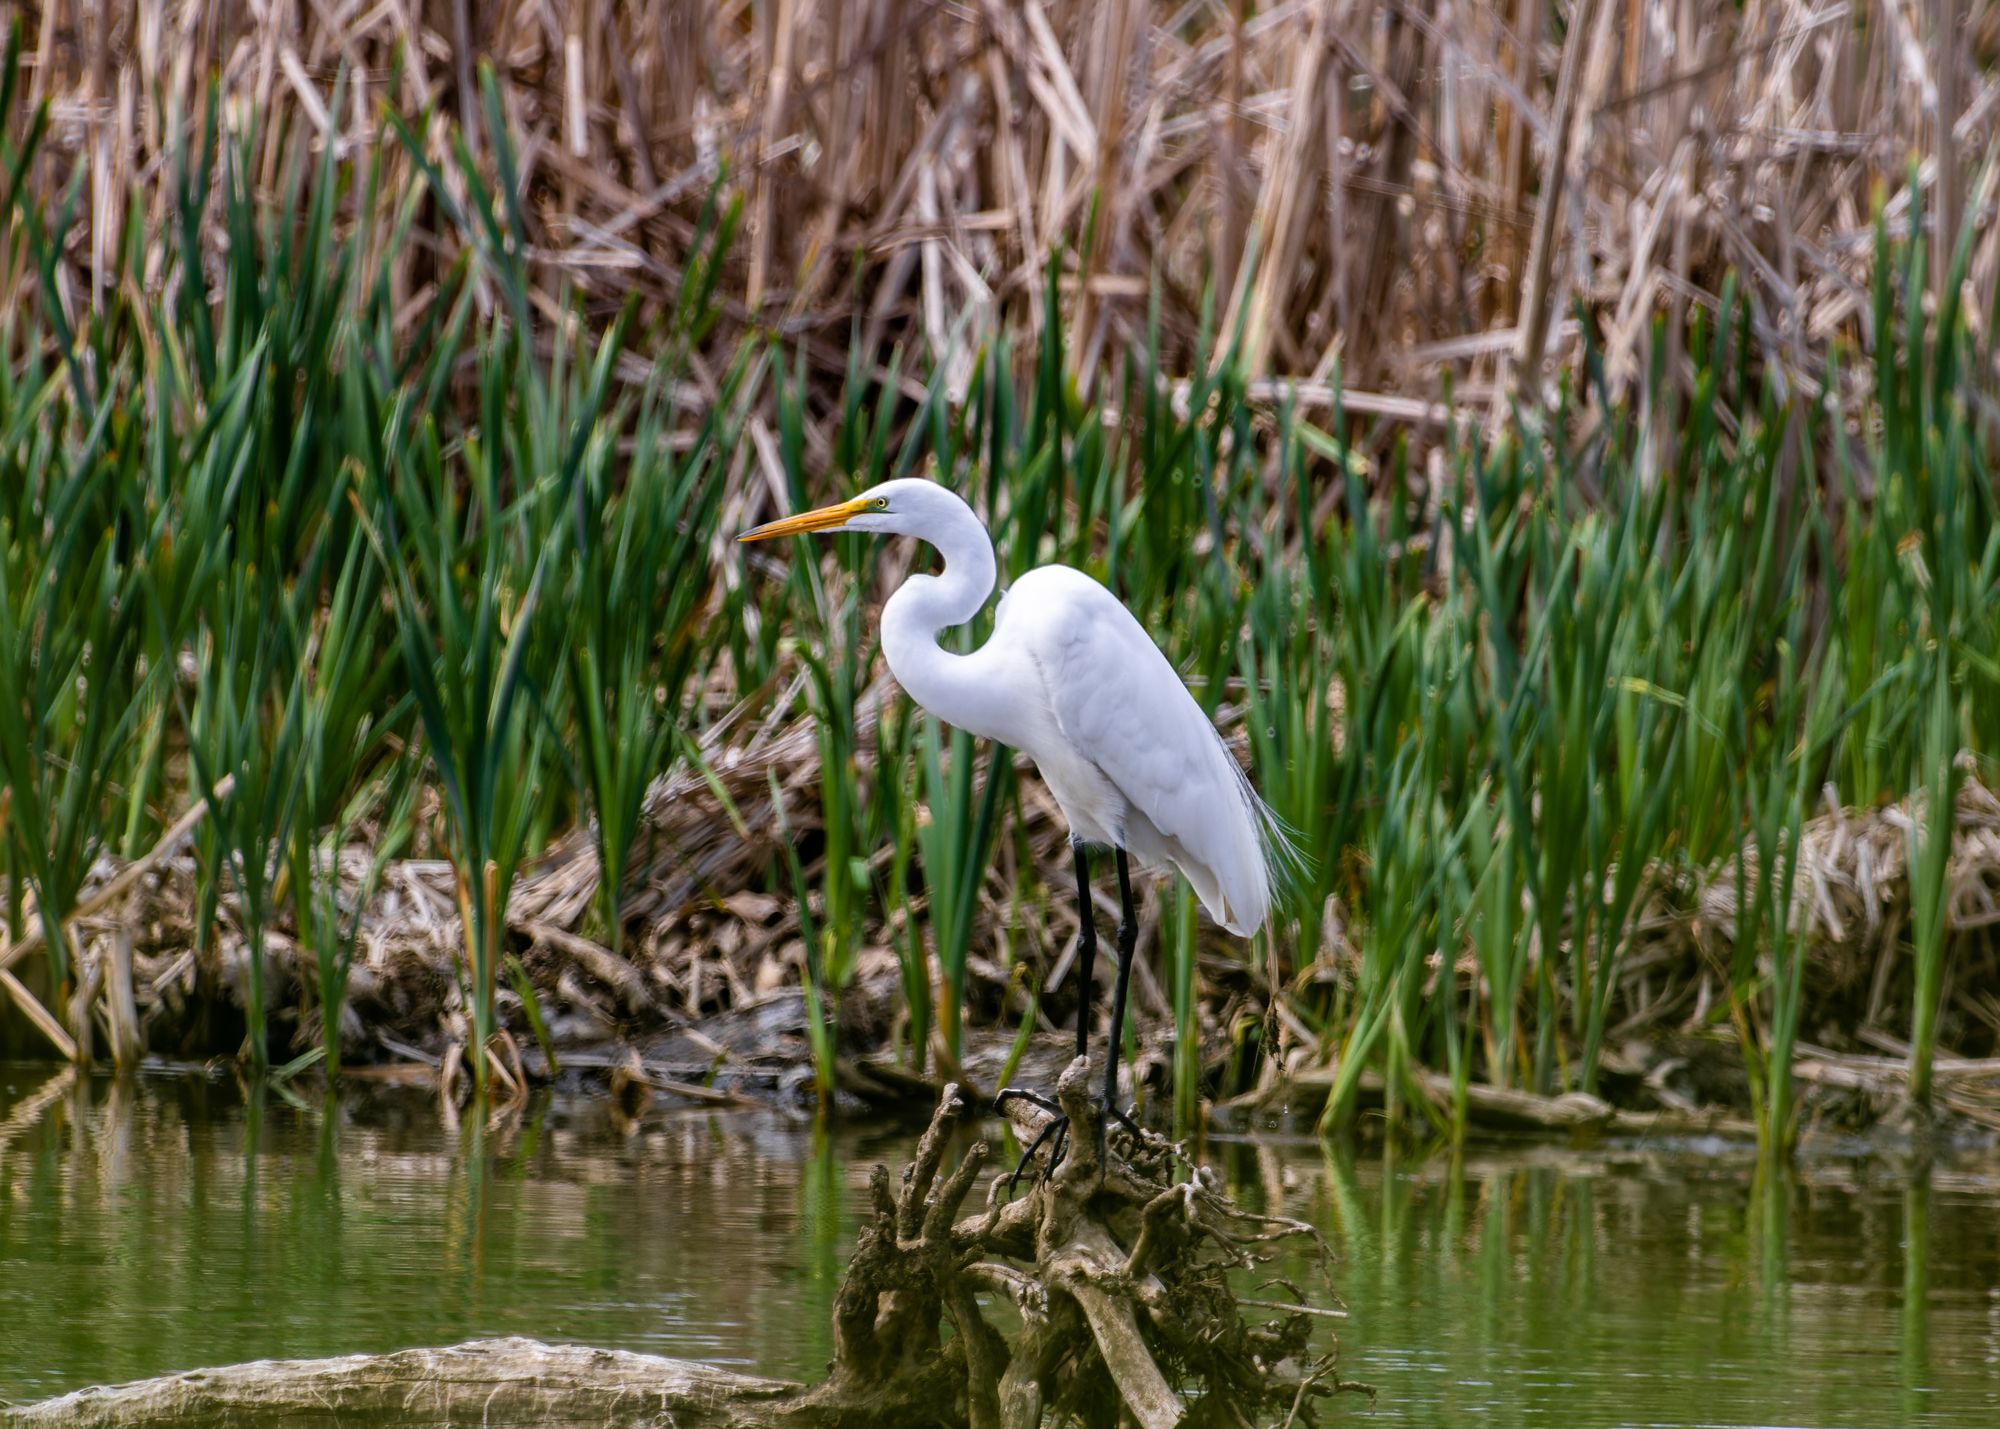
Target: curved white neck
x=944, y=683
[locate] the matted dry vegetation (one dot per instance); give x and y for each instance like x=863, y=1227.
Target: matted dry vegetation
x=713, y=950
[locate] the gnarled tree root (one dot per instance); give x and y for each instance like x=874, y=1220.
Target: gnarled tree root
x=1118, y=1265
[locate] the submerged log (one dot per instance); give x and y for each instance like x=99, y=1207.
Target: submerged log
x=494, y=1382
x=1117, y=1259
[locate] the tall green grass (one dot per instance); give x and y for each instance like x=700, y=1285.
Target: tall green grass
x=1511, y=691
x=636, y=601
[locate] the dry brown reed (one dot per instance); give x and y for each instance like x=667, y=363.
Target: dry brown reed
x=1405, y=191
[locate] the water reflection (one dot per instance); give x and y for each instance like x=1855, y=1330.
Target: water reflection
x=1916, y=1306
x=174, y=1223
x=181, y=1224
x=1656, y=1286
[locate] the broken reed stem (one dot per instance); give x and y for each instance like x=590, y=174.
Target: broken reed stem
x=121, y=1008
x=44, y=1020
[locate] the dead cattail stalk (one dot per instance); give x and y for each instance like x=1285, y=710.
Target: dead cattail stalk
x=1586, y=21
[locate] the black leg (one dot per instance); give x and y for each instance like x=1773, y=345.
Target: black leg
x=1086, y=947
x=1055, y=1133
x=1128, y=939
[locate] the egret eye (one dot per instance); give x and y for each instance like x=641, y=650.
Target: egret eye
x=881, y=503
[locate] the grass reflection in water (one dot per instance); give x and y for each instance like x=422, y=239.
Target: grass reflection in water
x=176, y=1222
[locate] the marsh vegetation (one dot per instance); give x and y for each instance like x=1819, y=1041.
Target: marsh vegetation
x=376, y=683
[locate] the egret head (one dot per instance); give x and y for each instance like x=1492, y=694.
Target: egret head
x=910, y=506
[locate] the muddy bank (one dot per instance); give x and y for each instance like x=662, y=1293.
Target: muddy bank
x=757, y=1057
x=702, y=1000
x=611, y=1037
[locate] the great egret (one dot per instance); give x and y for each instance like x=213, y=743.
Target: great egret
x=1073, y=680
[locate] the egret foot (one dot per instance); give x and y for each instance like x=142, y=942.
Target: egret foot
x=1055, y=1131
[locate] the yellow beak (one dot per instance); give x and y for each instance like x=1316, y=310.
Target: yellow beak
x=825, y=518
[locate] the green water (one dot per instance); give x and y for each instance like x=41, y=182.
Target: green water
x=178, y=1224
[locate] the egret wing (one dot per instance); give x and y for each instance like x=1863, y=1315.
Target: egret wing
x=1122, y=705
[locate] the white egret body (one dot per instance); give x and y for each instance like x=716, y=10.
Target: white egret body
x=1073, y=680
